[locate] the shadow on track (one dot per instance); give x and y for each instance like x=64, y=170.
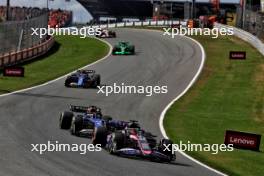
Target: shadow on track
x=146, y=160
x=45, y=96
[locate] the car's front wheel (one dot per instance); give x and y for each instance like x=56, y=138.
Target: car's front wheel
x=65, y=120
x=117, y=142
x=165, y=147
x=100, y=136
x=97, y=81
x=77, y=125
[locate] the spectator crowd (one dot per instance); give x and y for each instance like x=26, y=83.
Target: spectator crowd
x=57, y=18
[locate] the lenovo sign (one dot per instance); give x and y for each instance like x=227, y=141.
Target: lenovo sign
x=243, y=140
x=237, y=55
x=14, y=71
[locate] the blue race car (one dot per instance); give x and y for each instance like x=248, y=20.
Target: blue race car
x=83, y=79
x=89, y=122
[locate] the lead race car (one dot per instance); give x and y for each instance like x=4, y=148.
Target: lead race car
x=83, y=79
x=123, y=48
x=135, y=142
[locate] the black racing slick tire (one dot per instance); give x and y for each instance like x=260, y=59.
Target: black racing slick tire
x=115, y=49
x=67, y=83
x=163, y=149
x=66, y=120
x=100, y=135
x=132, y=50
x=77, y=125
x=118, y=141
x=97, y=81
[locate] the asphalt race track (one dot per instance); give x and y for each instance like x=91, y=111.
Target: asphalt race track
x=31, y=117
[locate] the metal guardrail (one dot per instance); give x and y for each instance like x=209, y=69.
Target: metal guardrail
x=246, y=36
x=141, y=23
x=254, y=23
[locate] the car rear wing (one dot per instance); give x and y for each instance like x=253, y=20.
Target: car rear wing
x=81, y=109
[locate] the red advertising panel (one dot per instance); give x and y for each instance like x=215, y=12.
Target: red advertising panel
x=237, y=55
x=243, y=140
x=14, y=71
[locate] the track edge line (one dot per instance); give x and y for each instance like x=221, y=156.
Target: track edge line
x=162, y=115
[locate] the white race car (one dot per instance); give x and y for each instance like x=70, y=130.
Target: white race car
x=107, y=34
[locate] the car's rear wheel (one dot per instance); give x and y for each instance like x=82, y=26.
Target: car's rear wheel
x=66, y=119
x=67, y=83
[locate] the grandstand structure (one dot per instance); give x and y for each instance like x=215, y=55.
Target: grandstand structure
x=118, y=8
x=143, y=9
x=59, y=18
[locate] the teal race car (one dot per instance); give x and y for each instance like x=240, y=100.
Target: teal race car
x=123, y=48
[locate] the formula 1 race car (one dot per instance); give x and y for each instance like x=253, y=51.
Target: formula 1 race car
x=123, y=48
x=134, y=142
x=89, y=122
x=84, y=79
x=107, y=34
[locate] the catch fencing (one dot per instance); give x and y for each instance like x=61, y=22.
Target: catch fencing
x=246, y=36
x=254, y=23
x=16, y=35
x=142, y=23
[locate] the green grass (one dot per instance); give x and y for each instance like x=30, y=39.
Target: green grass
x=228, y=95
x=68, y=54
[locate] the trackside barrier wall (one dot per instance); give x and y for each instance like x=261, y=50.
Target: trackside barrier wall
x=13, y=58
x=246, y=36
x=16, y=35
x=142, y=23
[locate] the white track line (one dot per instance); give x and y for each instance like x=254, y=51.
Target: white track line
x=49, y=82
x=162, y=115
